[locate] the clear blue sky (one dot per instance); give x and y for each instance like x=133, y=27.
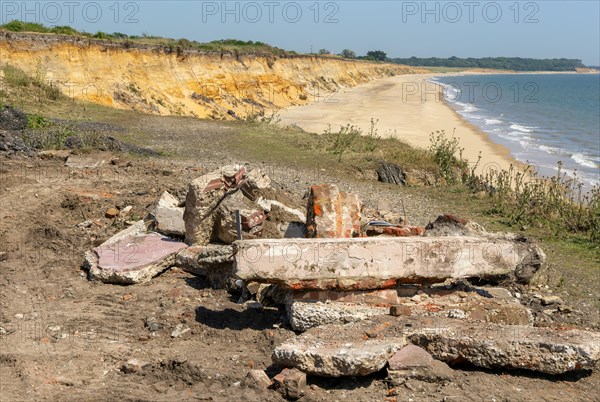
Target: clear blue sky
x=539, y=29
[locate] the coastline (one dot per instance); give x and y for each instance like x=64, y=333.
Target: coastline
x=407, y=107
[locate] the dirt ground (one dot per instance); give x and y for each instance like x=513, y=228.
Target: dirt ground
x=63, y=337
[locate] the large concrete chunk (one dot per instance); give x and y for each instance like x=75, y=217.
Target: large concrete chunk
x=132, y=256
x=168, y=215
x=337, y=351
x=546, y=350
x=203, y=198
x=332, y=213
x=372, y=263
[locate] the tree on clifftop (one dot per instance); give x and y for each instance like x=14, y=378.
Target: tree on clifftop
x=348, y=54
x=324, y=51
x=379, y=55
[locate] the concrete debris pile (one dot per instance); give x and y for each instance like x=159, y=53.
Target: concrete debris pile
x=363, y=293
x=196, y=233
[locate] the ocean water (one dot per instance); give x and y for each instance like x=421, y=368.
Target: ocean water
x=541, y=118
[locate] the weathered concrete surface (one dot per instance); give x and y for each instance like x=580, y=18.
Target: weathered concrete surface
x=203, y=198
x=308, y=309
x=332, y=213
x=337, y=351
x=334, y=350
x=374, y=263
x=168, y=215
x=306, y=315
x=414, y=362
x=132, y=256
x=213, y=261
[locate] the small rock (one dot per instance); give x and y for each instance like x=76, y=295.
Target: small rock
x=414, y=362
x=457, y=313
x=134, y=366
x=400, y=310
x=548, y=300
x=125, y=211
x=179, y=330
x=291, y=383
x=111, y=213
x=85, y=224
x=3, y=256
x=257, y=379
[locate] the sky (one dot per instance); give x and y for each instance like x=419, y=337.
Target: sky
x=537, y=29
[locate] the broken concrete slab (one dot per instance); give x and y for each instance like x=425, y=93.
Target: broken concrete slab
x=132, y=256
x=414, y=362
x=332, y=213
x=308, y=309
x=546, y=350
x=550, y=351
x=337, y=351
x=378, y=262
x=168, y=215
x=450, y=225
x=203, y=198
x=213, y=261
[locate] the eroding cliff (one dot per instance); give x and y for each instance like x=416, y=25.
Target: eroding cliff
x=164, y=81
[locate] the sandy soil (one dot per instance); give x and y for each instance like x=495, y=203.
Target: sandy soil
x=406, y=107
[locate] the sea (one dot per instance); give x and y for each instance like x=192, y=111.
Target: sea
x=543, y=119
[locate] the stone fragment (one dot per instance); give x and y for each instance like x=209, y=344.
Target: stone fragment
x=111, y=213
x=450, y=225
x=179, y=330
x=168, y=215
x=400, y=310
x=376, y=262
x=548, y=300
x=414, y=362
x=132, y=256
x=332, y=213
x=391, y=173
x=213, y=261
x=257, y=379
x=134, y=366
x=337, y=351
x=290, y=383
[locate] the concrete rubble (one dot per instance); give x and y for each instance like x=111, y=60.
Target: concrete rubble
x=132, y=256
x=168, y=215
x=364, y=347
x=364, y=293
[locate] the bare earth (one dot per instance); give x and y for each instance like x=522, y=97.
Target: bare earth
x=66, y=338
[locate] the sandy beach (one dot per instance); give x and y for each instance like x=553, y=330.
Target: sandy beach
x=406, y=107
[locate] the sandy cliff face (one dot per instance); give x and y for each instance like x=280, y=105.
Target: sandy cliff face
x=163, y=81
